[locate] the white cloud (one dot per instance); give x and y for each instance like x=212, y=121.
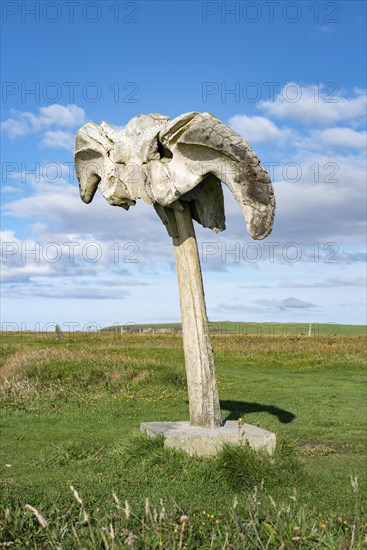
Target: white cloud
x=292, y=304
x=240, y=308
x=58, y=266
x=342, y=137
x=59, y=288
x=58, y=139
x=348, y=280
x=326, y=203
x=286, y=303
x=24, y=272
x=18, y=263
x=67, y=116
x=258, y=129
x=62, y=216
x=315, y=104
x=54, y=116
x=15, y=128
x=9, y=189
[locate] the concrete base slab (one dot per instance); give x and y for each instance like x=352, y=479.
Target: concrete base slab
x=208, y=441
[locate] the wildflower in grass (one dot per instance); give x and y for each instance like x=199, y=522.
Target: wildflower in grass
x=354, y=482
x=322, y=525
x=184, y=519
x=76, y=495
x=115, y=498
x=41, y=519
x=127, y=510
x=162, y=513
x=272, y=501
x=131, y=538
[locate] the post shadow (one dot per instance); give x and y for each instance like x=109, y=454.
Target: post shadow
x=240, y=408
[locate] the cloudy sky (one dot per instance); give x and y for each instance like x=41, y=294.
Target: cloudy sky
x=288, y=76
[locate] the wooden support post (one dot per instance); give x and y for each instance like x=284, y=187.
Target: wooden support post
x=201, y=380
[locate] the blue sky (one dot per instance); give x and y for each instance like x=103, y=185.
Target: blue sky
x=288, y=76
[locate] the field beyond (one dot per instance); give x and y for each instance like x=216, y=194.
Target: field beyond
x=76, y=473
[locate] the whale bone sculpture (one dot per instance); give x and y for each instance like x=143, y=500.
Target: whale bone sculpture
x=178, y=166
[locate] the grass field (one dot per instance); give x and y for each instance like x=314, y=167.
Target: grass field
x=71, y=448
x=261, y=329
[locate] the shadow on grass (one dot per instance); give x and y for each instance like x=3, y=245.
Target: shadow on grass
x=240, y=408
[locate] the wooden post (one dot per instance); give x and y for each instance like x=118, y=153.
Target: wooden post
x=199, y=359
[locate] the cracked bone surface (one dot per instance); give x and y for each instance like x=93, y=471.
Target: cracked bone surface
x=162, y=160
x=178, y=166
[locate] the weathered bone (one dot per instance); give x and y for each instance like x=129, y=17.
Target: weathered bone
x=160, y=160
x=178, y=165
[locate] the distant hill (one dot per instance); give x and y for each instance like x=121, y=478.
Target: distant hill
x=239, y=328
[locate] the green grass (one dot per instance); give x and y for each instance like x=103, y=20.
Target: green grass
x=260, y=329
x=289, y=329
x=71, y=411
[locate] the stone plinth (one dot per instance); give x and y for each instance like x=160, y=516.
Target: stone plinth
x=208, y=441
